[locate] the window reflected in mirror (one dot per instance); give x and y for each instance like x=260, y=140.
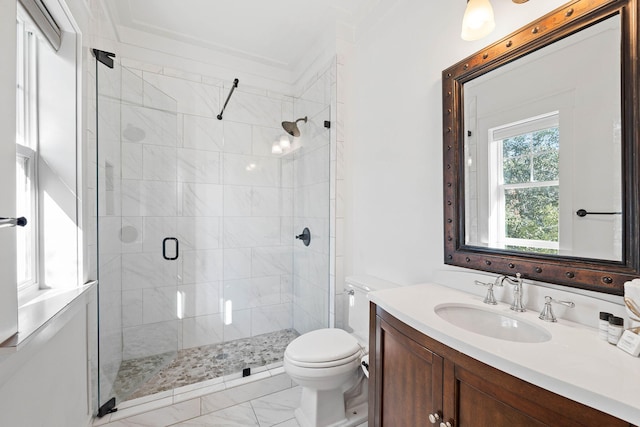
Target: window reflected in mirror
x=525, y=186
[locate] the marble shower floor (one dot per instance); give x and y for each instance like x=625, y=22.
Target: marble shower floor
x=155, y=374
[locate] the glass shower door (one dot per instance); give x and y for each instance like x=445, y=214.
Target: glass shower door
x=138, y=250
x=175, y=181
x=311, y=209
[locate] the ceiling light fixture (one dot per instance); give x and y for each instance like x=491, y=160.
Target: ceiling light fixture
x=478, y=19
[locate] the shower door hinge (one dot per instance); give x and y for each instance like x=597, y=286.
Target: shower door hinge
x=327, y=124
x=103, y=57
x=107, y=408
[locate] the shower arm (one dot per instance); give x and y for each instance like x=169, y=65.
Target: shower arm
x=235, y=85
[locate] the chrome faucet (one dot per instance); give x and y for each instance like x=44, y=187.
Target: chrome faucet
x=517, y=304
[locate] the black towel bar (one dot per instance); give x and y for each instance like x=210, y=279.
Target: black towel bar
x=583, y=212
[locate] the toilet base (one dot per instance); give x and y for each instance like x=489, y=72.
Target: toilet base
x=338, y=408
x=353, y=417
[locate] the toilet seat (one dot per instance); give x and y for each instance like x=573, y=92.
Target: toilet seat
x=323, y=348
x=328, y=364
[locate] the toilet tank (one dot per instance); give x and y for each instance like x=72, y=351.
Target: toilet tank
x=357, y=288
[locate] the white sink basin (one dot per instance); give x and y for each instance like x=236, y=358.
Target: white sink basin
x=491, y=324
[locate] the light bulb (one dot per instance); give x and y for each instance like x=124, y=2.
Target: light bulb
x=276, y=148
x=478, y=20
x=285, y=143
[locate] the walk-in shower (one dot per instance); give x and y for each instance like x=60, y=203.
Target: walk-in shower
x=200, y=273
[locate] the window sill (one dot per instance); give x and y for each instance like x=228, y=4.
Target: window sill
x=46, y=311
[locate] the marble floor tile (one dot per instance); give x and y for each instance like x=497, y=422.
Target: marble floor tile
x=239, y=415
x=162, y=417
x=245, y=380
x=201, y=384
x=244, y=393
x=144, y=399
x=277, y=407
x=289, y=423
x=147, y=407
x=198, y=392
x=277, y=371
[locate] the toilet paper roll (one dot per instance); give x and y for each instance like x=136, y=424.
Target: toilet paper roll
x=364, y=364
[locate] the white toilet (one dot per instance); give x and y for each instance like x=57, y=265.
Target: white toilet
x=327, y=364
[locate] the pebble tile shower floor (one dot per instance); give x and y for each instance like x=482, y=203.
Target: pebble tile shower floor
x=150, y=375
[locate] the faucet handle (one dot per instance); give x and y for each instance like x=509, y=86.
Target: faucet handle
x=547, y=311
x=478, y=282
x=489, y=298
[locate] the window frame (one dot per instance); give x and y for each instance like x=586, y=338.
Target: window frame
x=498, y=188
x=27, y=140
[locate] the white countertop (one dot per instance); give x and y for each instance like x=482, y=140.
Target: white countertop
x=575, y=363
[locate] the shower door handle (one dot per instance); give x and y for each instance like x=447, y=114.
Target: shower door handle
x=164, y=248
x=13, y=222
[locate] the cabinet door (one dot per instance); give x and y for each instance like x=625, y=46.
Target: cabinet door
x=408, y=380
x=477, y=395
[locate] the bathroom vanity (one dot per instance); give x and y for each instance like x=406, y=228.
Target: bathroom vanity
x=425, y=370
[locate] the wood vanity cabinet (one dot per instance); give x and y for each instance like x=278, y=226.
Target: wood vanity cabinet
x=413, y=377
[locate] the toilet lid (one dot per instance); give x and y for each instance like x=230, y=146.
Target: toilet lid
x=322, y=345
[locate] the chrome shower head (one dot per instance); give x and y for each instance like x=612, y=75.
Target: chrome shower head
x=292, y=127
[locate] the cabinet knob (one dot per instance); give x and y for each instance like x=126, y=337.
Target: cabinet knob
x=434, y=418
x=447, y=424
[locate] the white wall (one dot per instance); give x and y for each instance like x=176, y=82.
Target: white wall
x=46, y=382
x=8, y=289
x=393, y=221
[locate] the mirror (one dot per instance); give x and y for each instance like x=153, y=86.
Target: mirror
x=540, y=150
x=546, y=147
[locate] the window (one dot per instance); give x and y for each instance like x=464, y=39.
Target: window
x=525, y=198
x=45, y=136
x=26, y=153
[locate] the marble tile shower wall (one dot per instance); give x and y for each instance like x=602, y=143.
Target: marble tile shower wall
x=216, y=187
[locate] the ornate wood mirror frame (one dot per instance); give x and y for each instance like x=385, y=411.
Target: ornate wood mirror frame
x=598, y=275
